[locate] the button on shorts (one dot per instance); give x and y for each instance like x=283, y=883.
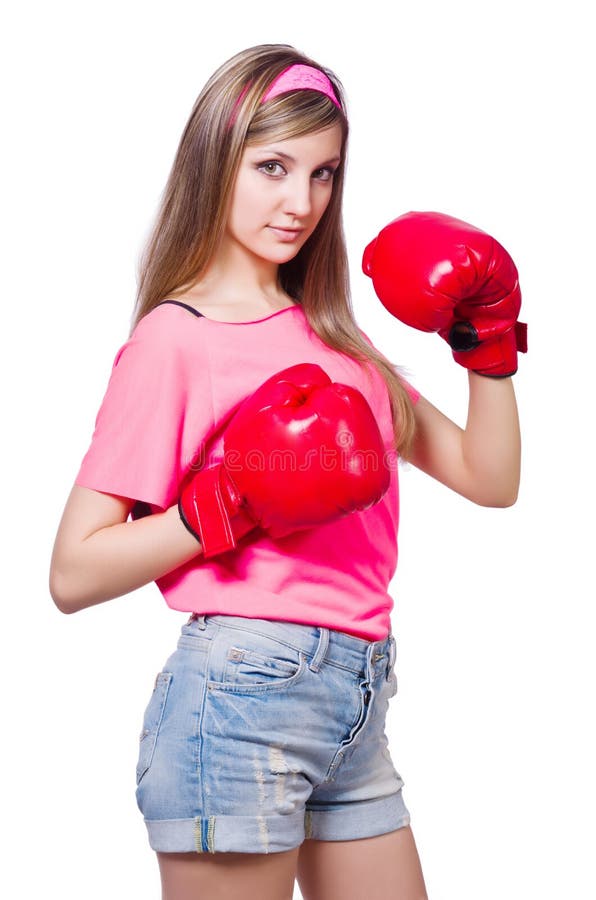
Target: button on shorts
x=260, y=734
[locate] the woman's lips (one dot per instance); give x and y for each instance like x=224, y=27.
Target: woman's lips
x=286, y=234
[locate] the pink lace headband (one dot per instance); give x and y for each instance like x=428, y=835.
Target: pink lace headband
x=303, y=78
x=297, y=77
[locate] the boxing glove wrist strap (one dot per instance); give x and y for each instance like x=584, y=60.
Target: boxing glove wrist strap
x=493, y=354
x=211, y=508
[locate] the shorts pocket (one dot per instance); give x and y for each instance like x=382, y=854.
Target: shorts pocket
x=152, y=722
x=248, y=670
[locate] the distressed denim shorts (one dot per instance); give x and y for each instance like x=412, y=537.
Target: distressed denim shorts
x=260, y=734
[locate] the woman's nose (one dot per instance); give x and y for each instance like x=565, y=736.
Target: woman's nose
x=298, y=200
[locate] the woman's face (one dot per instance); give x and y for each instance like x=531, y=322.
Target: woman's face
x=282, y=184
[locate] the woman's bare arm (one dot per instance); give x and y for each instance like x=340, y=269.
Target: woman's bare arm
x=98, y=555
x=482, y=461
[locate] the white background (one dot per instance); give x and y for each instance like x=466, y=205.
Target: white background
x=483, y=110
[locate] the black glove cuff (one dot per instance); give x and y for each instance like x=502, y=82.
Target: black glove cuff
x=463, y=336
x=185, y=522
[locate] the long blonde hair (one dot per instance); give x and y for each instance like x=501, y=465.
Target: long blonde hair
x=227, y=116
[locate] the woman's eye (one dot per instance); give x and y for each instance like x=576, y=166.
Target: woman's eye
x=268, y=167
x=274, y=169
x=326, y=173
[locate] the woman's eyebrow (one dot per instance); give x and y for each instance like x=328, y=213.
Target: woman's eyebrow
x=291, y=158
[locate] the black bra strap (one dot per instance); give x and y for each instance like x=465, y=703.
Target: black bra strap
x=185, y=305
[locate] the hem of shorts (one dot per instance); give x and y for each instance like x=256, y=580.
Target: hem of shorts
x=357, y=820
x=216, y=834
x=278, y=833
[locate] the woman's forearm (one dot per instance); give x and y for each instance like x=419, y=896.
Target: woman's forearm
x=491, y=443
x=121, y=558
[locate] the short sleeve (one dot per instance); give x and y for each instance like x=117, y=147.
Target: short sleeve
x=413, y=394
x=136, y=449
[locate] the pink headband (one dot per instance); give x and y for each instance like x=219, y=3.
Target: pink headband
x=301, y=78
x=297, y=77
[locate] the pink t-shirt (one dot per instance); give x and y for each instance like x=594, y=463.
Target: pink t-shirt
x=173, y=388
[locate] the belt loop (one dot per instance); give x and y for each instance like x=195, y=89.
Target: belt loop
x=390, y=656
x=200, y=620
x=391, y=650
x=321, y=650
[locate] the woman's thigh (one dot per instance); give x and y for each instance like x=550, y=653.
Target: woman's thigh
x=385, y=867
x=189, y=876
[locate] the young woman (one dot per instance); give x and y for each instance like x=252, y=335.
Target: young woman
x=250, y=430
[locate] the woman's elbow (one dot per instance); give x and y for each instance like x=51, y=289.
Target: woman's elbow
x=59, y=594
x=500, y=499
x=502, y=503
x=66, y=596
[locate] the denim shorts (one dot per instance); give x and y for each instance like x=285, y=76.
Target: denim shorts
x=260, y=734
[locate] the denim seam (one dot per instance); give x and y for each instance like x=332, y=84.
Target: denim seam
x=289, y=646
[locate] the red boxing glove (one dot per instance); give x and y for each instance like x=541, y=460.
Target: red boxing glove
x=438, y=273
x=300, y=451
